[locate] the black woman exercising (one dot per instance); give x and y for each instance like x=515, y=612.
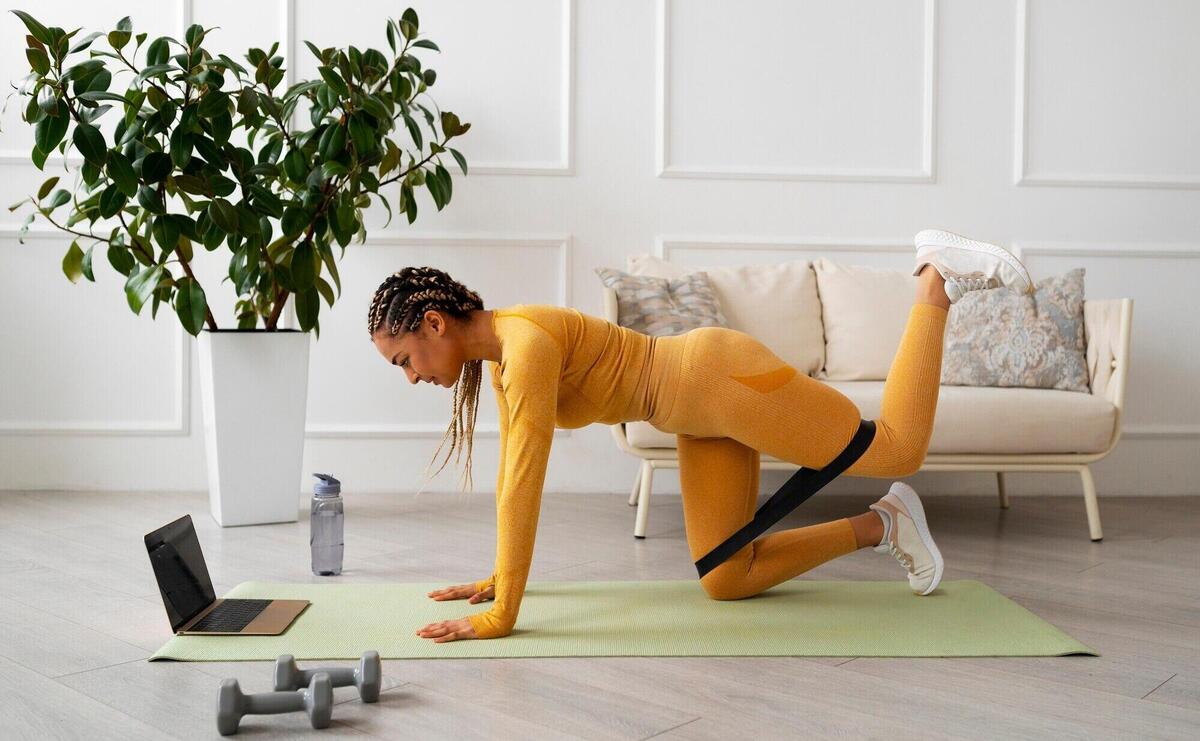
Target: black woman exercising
x=726, y=397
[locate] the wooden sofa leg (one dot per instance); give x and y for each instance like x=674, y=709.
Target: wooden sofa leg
x=1002, y=490
x=637, y=486
x=1089, y=501
x=643, y=508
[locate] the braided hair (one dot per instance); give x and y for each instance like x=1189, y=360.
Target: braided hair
x=400, y=304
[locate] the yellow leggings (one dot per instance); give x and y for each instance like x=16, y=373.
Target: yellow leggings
x=736, y=398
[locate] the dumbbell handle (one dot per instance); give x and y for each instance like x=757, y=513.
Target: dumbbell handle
x=342, y=676
x=266, y=703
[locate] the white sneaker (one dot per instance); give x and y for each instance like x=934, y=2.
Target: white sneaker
x=969, y=265
x=906, y=536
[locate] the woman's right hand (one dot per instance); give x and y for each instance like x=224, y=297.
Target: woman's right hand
x=463, y=590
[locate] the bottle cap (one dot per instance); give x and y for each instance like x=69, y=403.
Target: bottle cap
x=328, y=486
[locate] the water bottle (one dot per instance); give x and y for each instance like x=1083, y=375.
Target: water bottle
x=326, y=526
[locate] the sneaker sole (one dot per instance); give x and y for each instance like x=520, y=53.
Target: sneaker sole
x=942, y=238
x=912, y=502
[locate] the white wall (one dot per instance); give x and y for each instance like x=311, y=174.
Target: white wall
x=709, y=131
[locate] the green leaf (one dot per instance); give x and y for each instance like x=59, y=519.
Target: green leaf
x=37, y=30
x=86, y=265
x=155, y=167
x=72, y=263
x=334, y=81
x=121, y=172
x=294, y=220
x=295, y=165
x=213, y=103
x=139, y=287
x=332, y=142
x=304, y=265
x=462, y=162
x=111, y=201
x=90, y=143
x=46, y=188
x=166, y=232
x=426, y=44
x=362, y=135
x=59, y=198
x=120, y=259
x=50, y=130
x=38, y=61
x=413, y=130
x=181, y=147
x=157, y=52
x=223, y=214
x=316, y=52
x=190, y=305
x=308, y=305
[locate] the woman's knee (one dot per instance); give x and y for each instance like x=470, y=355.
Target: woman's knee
x=723, y=584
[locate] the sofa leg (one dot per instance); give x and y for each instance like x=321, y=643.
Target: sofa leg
x=1089, y=501
x=637, y=486
x=643, y=508
x=1000, y=488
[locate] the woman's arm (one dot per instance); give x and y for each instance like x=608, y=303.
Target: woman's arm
x=530, y=390
x=502, y=405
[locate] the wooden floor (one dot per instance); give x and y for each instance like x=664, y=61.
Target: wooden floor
x=80, y=613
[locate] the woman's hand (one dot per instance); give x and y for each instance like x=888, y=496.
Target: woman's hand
x=448, y=630
x=463, y=590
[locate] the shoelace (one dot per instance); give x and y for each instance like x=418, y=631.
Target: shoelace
x=974, y=284
x=904, y=558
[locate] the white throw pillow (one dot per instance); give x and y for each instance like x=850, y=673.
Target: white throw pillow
x=776, y=303
x=865, y=310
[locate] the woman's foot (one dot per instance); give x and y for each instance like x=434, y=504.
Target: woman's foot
x=968, y=264
x=906, y=536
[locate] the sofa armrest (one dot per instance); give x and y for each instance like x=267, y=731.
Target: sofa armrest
x=1107, y=325
x=610, y=304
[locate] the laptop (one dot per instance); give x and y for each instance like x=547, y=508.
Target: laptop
x=188, y=595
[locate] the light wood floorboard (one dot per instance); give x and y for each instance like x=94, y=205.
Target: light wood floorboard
x=80, y=613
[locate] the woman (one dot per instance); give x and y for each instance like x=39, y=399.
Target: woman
x=725, y=395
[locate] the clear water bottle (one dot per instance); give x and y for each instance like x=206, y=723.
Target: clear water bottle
x=326, y=526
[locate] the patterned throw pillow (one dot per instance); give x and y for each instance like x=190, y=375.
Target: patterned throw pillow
x=997, y=337
x=662, y=306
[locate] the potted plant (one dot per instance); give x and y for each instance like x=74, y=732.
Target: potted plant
x=168, y=182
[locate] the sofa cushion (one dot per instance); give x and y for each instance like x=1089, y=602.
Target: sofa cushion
x=979, y=419
x=776, y=303
x=998, y=337
x=663, y=306
x=864, y=310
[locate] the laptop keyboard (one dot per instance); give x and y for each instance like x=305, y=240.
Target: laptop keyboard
x=231, y=615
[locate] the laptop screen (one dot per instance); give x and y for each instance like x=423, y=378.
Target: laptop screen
x=179, y=568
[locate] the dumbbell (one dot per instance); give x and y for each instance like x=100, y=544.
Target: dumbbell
x=367, y=676
x=316, y=700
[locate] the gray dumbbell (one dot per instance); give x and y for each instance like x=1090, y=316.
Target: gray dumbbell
x=316, y=700
x=367, y=676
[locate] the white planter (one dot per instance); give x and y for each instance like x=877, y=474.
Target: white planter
x=254, y=386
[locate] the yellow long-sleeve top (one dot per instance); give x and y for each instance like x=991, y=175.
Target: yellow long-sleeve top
x=558, y=368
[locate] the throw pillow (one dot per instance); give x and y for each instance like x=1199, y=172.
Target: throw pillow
x=663, y=306
x=997, y=337
x=865, y=310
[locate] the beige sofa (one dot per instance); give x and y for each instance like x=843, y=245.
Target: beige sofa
x=976, y=428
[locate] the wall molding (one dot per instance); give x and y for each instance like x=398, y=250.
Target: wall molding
x=564, y=165
x=1021, y=175
x=562, y=243
x=178, y=424
x=664, y=169
x=664, y=244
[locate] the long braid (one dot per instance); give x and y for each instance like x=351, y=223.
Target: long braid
x=400, y=304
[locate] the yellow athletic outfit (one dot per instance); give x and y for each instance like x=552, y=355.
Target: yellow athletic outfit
x=727, y=397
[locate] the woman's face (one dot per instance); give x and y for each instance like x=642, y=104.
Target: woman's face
x=430, y=354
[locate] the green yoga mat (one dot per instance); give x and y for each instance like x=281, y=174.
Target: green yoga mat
x=649, y=618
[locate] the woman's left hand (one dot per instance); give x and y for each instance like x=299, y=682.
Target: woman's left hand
x=448, y=630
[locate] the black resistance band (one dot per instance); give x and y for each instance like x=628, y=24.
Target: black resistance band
x=802, y=485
